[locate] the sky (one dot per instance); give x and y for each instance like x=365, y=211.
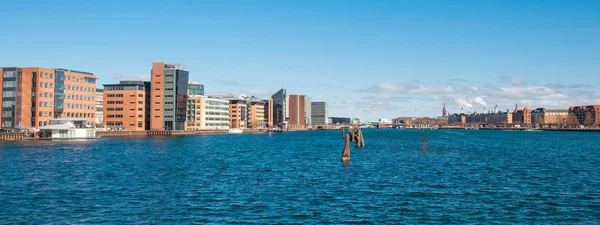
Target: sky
x=366, y=59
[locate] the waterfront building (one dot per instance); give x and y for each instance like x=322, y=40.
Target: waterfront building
x=257, y=114
x=169, y=96
x=318, y=113
x=280, y=109
x=126, y=105
x=195, y=88
x=340, y=120
x=32, y=97
x=522, y=117
x=299, y=107
x=457, y=119
x=585, y=115
x=500, y=118
x=205, y=113
x=99, y=115
x=547, y=117
x=477, y=118
x=238, y=114
x=269, y=112
x=402, y=122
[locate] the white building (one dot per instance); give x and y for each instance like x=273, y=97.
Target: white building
x=99, y=107
x=207, y=113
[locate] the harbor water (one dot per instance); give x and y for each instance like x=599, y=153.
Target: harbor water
x=465, y=176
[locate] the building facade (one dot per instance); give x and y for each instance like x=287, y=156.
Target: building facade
x=402, y=122
x=126, y=105
x=548, y=117
x=457, y=119
x=206, y=113
x=500, y=118
x=340, y=120
x=31, y=97
x=269, y=112
x=585, y=115
x=522, y=117
x=318, y=113
x=257, y=114
x=195, y=88
x=299, y=107
x=99, y=116
x=238, y=114
x=169, y=96
x=280, y=109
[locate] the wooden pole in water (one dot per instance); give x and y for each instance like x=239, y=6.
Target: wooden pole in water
x=343, y=133
x=360, y=141
x=424, y=143
x=346, y=153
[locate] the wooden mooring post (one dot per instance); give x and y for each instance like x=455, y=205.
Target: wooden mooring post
x=360, y=141
x=424, y=143
x=346, y=152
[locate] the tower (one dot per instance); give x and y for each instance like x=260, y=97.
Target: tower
x=444, y=111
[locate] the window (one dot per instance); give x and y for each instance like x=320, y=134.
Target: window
x=140, y=102
x=140, y=109
x=140, y=124
x=119, y=95
x=41, y=104
x=140, y=95
x=140, y=116
x=110, y=95
x=10, y=74
x=51, y=75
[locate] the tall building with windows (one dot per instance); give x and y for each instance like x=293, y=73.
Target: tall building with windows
x=318, y=113
x=126, y=105
x=268, y=112
x=205, y=113
x=195, y=88
x=169, y=96
x=99, y=117
x=299, y=111
x=279, y=107
x=31, y=97
x=257, y=114
x=238, y=114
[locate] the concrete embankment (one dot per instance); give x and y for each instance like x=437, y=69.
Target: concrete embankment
x=150, y=133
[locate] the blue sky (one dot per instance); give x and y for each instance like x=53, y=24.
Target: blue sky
x=367, y=59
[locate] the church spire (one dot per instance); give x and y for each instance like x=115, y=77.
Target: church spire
x=444, y=111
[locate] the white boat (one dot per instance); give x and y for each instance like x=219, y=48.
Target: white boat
x=236, y=130
x=67, y=129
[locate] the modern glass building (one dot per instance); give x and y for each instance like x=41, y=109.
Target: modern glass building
x=169, y=96
x=280, y=109
x=195, y=88
x=319, y=113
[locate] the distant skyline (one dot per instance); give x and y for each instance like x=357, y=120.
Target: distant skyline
x=366, y=59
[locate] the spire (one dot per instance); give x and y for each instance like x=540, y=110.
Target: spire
x=444, y=110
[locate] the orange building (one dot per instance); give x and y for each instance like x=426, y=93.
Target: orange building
x=299, y=111
x=269, y=112
x=31, y=97
x=257, y=114
x=169, y=96
x=126, y=105
x=522, y=117
x=238, y=113
x=586, y=115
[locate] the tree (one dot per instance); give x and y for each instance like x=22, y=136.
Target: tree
x=572, y=120
x=589, y=119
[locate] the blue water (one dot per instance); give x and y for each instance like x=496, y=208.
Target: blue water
x=297, y=178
